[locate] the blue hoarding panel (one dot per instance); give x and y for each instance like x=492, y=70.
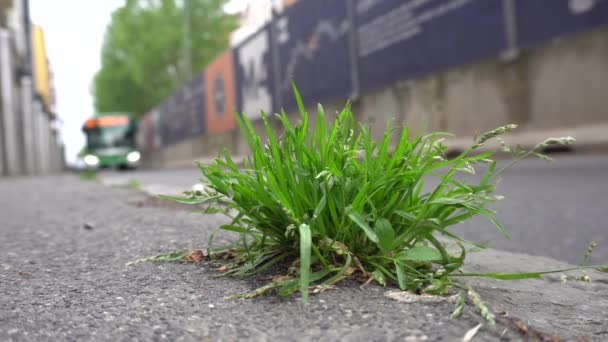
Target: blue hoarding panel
x=541, y=20
x=313, y=44
x=182, y=115
x=402, y=39
x=253, y=69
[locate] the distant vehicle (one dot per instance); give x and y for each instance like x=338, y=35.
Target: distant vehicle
x=111, y=142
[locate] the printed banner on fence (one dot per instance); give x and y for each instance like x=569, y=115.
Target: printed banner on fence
x=541, y=20
x=314, y=50
x=183, y=114
x=219, y=94
x=145, y=137
x=253, y=66
x=403, y=39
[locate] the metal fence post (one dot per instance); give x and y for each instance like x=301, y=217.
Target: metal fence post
x=510, y=18
x=354, y=50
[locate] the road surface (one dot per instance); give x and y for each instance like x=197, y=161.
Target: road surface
x=65, y=243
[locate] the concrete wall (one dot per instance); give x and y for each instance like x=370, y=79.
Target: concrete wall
x=561, y=84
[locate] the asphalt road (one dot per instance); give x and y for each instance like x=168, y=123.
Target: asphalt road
x=550, y=209
x=64, y=282
x=65, y=243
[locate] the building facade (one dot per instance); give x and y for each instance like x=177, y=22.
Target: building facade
x=29, y=137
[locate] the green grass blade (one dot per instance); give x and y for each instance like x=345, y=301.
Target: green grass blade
x=419, y=253
x=189, y=200
x=233, y=228
x=379, y=277
x=171, y=256
x=385, y=233
x=524, y=275
x=360, y=221
x=400, y=275
x=305, y=250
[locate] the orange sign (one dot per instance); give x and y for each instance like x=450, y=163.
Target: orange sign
x=106, y=121
x=219, y=94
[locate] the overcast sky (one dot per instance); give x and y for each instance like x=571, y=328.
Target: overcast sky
x=74, y=33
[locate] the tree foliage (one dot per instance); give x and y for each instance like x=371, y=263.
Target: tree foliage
x=142, y=55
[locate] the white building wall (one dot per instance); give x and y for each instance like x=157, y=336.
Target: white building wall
x=9, y=133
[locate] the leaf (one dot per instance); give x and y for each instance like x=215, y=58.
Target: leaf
x=419, y=253
x=255, y=293
x=305, y=248
x=487, y=175
x=505, y=276
x=498, y=225
x=385, y=233
x=299, y=101
x=171, y=256
x=360, y=221
x=450, y=201
x=408, y=216
x=211, y=210
x=189, y=200
x=400, y=275
x=527, y=275
x=320, y=206
x=234, y=228
x=379, y=277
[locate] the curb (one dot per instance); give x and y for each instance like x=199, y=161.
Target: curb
x=589, y=139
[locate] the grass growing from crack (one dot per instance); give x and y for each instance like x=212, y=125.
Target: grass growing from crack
x=88, y=174
x=134, y=184
x=331, y=202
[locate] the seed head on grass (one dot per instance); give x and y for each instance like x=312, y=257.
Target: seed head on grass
x=589, y=250
x=493, y=134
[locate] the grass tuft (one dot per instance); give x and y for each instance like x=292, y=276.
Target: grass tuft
x=330, y=201
x=134, y=184
x=88, y=174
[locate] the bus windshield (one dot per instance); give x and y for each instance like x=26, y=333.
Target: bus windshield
x=110, y=136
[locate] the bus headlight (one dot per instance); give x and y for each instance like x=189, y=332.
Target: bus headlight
x=133, y=157
x=91, y=160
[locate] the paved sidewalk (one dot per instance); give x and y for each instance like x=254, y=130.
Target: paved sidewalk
x=65, y=243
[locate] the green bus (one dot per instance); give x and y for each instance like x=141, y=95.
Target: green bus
x=110, y=142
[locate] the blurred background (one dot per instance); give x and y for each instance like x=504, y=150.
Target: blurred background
x=156, y=83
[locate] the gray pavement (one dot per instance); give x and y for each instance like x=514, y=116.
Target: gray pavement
x=62, y=281
x=550, y=209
